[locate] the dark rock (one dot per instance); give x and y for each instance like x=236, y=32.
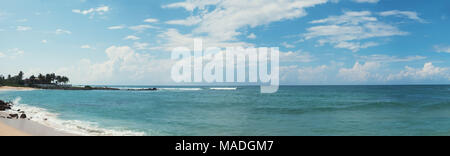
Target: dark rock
x=14, y=116
x=5, y=105
x=23, y=116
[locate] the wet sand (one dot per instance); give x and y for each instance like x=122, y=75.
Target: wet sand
x=23, y=127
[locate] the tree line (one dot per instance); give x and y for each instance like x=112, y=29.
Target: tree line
x=19, y=80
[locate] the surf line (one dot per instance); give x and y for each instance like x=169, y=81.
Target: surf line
x=187, y=146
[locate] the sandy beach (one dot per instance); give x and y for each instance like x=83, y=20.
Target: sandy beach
x=23, y=127
x=8, y=88
x=6, y=130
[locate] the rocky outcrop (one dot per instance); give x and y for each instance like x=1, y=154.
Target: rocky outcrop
x=5, y=105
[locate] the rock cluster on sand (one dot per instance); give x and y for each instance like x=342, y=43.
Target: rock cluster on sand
x=4, y=106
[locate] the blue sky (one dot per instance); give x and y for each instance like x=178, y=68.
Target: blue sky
x=321, y=41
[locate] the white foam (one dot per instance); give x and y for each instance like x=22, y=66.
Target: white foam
x=223, y=88
x=77, y=127
x=181, y=89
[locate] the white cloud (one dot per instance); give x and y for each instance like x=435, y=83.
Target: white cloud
x=151, y=20
x=409, y=14
x=442, y=48
x=123, y=65
x=141, y=46
x=176, y=39
x=23, y=28
x=190, y=5
x=305, y=74
x=62, y=32
x=390, y=59
x=131, y=37
x=350, y=30
x=116, y=27
x=13, y=53
x=366, y=1
x=428, y=72
x=287, y=45
x=86, y=47
x=359, y=72
x=17, y=51
x=311, y=74
x=2, y=55
x=193, y=20
x=44, y=41
x=226, y=17
x=298, y=56
x=92, y=11
x=251, y=36
x=141, y=28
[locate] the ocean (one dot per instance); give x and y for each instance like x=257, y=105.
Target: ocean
x=242, y=111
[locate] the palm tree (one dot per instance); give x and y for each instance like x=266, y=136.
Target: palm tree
x=41, y=78
x=19, y=78
x=64, y=79
x=58, y=79
x=32, y=79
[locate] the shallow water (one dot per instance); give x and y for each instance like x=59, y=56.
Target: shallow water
x=293, y=110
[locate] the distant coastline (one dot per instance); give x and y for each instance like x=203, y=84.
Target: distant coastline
x=48, y=81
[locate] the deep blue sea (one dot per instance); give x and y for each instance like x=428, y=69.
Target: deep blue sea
x=243, y=111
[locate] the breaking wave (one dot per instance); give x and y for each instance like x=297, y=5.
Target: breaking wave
x=50, y=119
x=223, y=88
x=181, y=89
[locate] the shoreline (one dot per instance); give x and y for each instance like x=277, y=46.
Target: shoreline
x=20, y=121
x=24, y=127
x=9, y=88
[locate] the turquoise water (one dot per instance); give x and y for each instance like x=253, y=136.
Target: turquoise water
x=294, y=110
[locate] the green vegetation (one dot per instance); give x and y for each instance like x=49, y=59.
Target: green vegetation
x=19, y=80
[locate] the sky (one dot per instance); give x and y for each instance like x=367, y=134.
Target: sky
x=322, y=42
